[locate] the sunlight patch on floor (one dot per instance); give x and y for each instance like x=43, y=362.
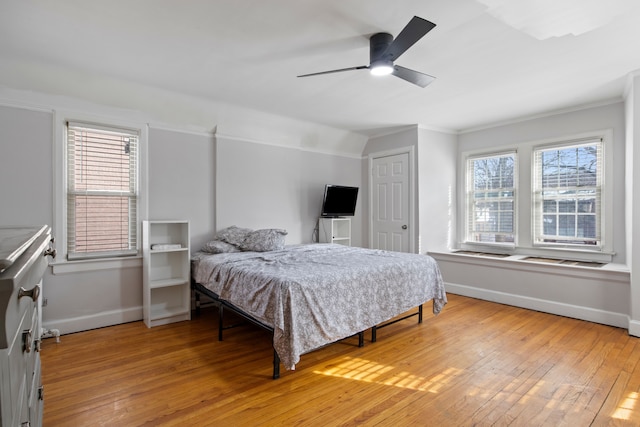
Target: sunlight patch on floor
x=626, y=407
x=372, y=372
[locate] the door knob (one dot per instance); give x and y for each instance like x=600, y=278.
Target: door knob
x=404, y=227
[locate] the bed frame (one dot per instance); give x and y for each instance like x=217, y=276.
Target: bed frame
x=222, y=304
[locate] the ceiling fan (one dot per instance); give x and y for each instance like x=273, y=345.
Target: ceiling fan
x=384, y=49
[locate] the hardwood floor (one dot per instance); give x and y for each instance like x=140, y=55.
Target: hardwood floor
x=476, y=364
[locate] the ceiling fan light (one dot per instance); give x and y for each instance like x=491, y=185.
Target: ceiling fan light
x=381, y=69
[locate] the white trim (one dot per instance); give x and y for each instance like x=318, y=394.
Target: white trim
x=410, y=151
x=551, y=113
x=9, y=103
x=377, y=133
x=537, y=190
x=68, y=267
x=182, y=129
x=634, y=328
x=93, y=321
x=41, y=101
x=628, y=85
x=620, y=320
x=438, y=129
x=469, y=190
x=60, y=118
x=610, y=272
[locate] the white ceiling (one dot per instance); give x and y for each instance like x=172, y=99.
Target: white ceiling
x=494, y=60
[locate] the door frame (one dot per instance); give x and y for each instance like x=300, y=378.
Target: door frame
x=410, y=150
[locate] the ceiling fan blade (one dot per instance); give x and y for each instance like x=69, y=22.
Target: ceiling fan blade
x=414, y=31
x=415, y=77
x=360, y=67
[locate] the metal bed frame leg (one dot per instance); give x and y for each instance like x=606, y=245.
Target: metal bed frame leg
x=220, y=317
x=374, y=329
x=197, y=295
x=361, y=339
x=276, y=365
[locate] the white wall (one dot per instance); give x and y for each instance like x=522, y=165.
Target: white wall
x=181, y=182
x=632, y=201
x=437, y=170
x=229, y=179
x=265, y=186
x=26, y=168
x=600, y=295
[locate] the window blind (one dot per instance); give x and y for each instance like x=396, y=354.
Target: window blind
x=491, y=198
x=102, y=171
x=567, y=199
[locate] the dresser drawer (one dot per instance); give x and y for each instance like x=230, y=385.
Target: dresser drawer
x=26, y=288
x=15, y=369
x=36, y=395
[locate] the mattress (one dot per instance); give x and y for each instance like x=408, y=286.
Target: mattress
x=316, y=294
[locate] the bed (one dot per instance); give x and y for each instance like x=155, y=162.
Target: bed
x=315, y=294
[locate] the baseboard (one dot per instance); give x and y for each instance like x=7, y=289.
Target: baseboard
x=620, y=320
x=634, y=328
x=93, y=321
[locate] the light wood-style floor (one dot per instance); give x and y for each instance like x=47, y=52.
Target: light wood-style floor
x=476, y=364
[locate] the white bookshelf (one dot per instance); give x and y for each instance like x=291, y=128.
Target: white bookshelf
x=166, y=269
x=335, y=230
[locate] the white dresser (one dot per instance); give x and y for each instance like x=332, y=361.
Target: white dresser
x=24, y=256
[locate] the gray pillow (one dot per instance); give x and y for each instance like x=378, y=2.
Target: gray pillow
x=219, y=247
x=268, y=239
x=233, y=235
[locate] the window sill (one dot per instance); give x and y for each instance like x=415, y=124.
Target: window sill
x=69, y=267
x=565, y=253
x=521, y=263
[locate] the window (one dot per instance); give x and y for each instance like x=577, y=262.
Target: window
x=551, y=198
x=567, y=194
x=491, y=198
x=101, y=191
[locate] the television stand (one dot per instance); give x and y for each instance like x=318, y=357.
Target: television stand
x=335, y=230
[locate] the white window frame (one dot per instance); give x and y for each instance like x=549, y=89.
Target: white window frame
x=62, y=264
x=525, y=205
x=537, y=190
x=470, y=197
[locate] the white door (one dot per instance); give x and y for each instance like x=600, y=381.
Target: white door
x=390, y=203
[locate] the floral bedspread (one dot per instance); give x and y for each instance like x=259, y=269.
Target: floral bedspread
x=317, y=294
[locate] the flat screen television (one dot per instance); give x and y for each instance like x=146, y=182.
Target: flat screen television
x=339, y=200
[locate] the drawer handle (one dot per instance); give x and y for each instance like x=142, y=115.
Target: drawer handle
x=33, y=293
x=50, y=252
x=26, y=339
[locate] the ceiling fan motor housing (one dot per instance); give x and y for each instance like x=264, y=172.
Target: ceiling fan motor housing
x=378, y=44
